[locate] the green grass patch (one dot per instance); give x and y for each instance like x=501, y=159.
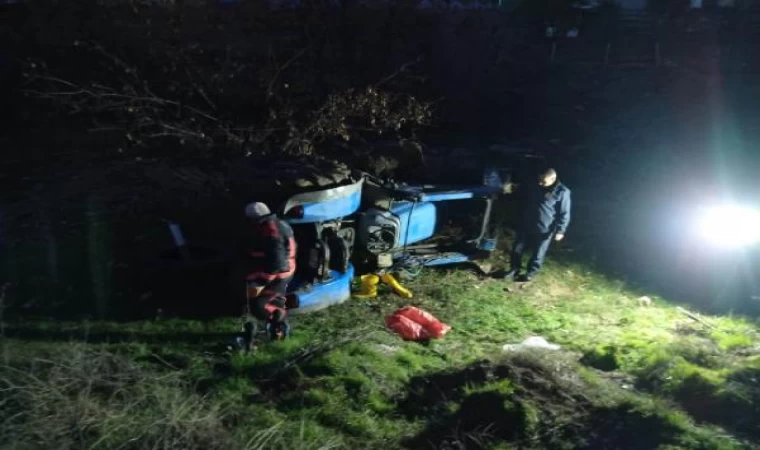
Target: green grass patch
x=734, y=341
x=627, y=374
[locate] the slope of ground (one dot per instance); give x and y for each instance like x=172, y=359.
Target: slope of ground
x=629, y=375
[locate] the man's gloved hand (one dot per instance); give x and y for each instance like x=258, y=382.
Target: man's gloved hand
x=559, y=236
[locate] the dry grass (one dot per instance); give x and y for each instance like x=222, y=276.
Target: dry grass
x=85, y=398
x=627, y=377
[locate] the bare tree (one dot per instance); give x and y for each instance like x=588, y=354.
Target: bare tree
x=253, y=99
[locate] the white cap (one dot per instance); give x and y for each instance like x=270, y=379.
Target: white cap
x=256, y=209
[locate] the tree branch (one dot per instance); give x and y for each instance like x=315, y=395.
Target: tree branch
x=283, y=67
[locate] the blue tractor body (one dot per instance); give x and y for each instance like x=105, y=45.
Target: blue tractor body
x=380, y=227
x=417, y=220
x=404, y=224
x=324, y=206
x=324, y=269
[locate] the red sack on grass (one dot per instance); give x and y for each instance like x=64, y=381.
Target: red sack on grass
x=406, y=328
x=414, y=324
x=433, y=326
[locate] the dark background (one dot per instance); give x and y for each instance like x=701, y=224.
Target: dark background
x=642, y=136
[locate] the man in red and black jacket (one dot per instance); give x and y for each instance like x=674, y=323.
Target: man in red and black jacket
x=272, y=258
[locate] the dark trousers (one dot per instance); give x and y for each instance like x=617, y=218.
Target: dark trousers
x=534, y=243
x=269, y=308
x=270, y=304
x=279, y=286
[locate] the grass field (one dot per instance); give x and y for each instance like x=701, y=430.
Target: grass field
x=629, y=375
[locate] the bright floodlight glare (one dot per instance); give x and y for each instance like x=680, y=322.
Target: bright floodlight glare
x=730, y=226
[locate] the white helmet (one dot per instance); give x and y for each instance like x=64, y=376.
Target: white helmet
x=256, y=209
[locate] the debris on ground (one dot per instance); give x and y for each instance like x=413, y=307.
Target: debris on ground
x=518, y=285
x=531, y=343
x=694, y=317
x=485, y=268
x=644, y=301
x=387, y=349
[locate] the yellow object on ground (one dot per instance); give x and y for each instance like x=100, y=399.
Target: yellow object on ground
x=396, y=286
x=369, y=286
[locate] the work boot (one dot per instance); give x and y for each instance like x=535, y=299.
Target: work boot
x=369, y=286
x=526, y=278
x=396, y=286
x=249, y=335
x=278, y=330
x=511, y=273
x=244, y=342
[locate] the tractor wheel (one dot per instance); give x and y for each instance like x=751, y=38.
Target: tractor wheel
x=279, y=181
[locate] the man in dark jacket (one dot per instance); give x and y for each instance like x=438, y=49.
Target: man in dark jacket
x=544, y=215
x=272, y=264
x=272, y=252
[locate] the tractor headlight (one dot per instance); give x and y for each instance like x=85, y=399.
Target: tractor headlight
x=730, y=226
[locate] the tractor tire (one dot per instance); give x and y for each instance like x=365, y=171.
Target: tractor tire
x=276, y=182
